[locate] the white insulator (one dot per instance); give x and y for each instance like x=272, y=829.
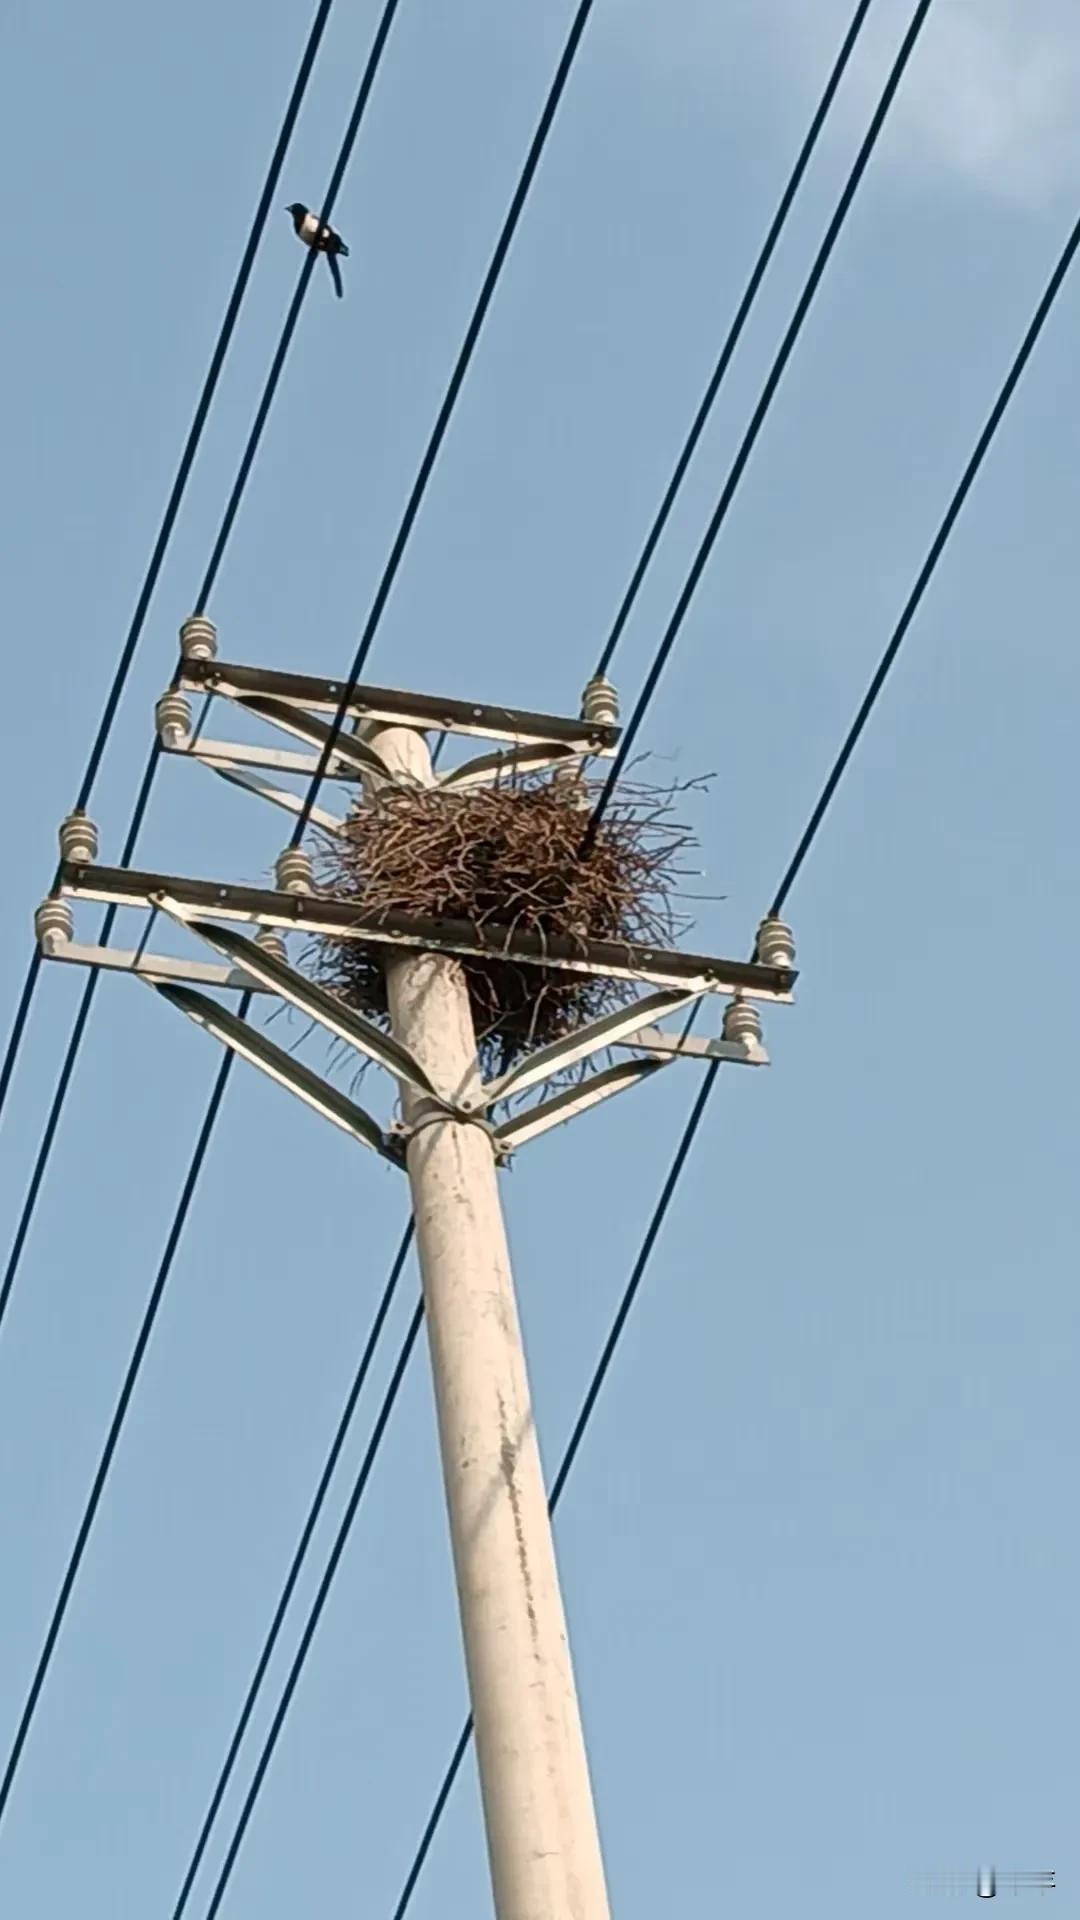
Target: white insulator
x=172, y=716
x=600, y=703
x=742, y=1022
x=775, y=944
x=78, y=840
x=198, y=638
x=986, y=1885
x=54, y=924
x=292, y=871
x=269, y=940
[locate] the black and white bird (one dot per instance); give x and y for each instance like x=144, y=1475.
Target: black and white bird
x=315, y=233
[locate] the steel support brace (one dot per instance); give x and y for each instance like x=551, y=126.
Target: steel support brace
x=281, y=1067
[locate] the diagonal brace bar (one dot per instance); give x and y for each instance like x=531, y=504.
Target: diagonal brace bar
x=609, y=1031
x=565, y=1106
x=355, y=754
x=278, y=796
x=487, y=768
x=313, y=1001
x=281, y=1067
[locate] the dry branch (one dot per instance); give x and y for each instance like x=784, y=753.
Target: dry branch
x=507, y=855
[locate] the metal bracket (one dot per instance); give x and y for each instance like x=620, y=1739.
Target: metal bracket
x=540, y=1119
x=280, y=1067
x=153, y=967
x=357, y=756
x=313, y=1001
x=278, y=796
x=237, y=753
x=609, y=1031
x=739, y=1053
x=487, y=768
x=433, y=1111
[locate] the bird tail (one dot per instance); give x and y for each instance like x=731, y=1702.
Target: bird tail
x=335, y=274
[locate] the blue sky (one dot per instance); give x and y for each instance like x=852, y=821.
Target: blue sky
x=816, y=1551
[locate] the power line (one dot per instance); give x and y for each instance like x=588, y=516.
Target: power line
x=367, y=639
x=734, y=334
x=569, y=1456
x=427, y=464
x=679, y=1160
x=952, y=514
x=768, y=394
x=295, y=1569
x=663, y=513
x=317, y=1606
x=688, y=1136
x=179, y=486
x=71, y=1055
x=697, y=1112
x=217, y=1093
x=153, y=760
x=457, y=379
x=378, y=45
x=675, y=1172
x=117, y=1421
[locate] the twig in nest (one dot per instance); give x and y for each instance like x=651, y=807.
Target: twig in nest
x=508, y=856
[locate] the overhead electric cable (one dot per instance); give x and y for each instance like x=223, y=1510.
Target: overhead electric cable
x=768, y=394
x=929, y=566
x=727, y=351
x=457, y=379
x=696, y=1114
x=179, y=486
x=295, y=1568
x=116, y=1424
x=146, y=785
x=734, y=333
x=318, y=1604
x=450, y=398
x=697, y=1111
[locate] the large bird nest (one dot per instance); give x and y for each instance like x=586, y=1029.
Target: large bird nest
x=507, y=856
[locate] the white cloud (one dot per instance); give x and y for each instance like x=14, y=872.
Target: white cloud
x=991, y=98
x=992, y=95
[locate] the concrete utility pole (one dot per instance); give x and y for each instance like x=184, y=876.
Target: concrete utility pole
x=542, y=1838
x=456, y=1130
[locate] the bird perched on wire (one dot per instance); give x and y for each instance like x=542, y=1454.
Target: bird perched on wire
x=315, y=233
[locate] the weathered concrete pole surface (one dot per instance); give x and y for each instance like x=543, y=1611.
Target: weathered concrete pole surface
x=542, y=1839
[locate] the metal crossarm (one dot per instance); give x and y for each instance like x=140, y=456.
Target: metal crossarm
x=390, y=707
x=339, y=919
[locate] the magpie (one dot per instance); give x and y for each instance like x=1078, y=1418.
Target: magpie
x=314, y=233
